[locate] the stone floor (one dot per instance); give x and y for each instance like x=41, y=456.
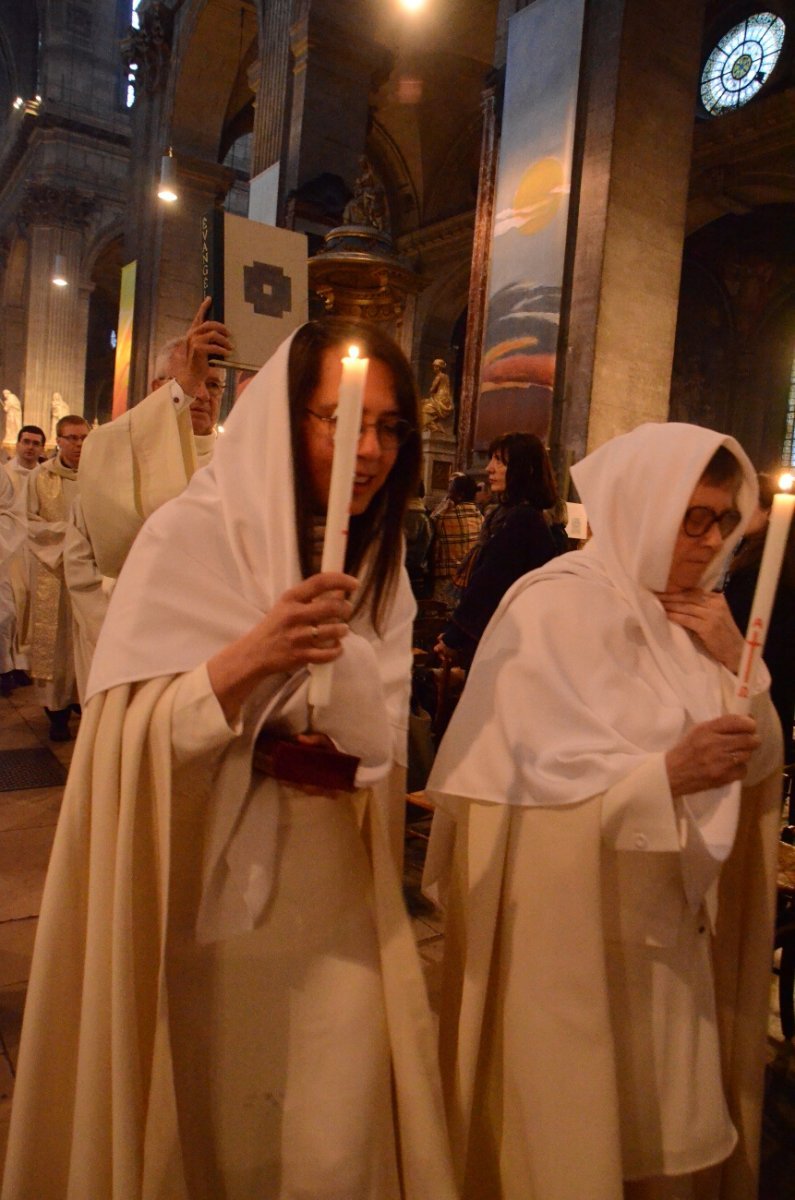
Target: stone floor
x=27, y=826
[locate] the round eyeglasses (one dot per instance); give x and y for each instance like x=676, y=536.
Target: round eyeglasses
x=392, y=432
x=700, y=519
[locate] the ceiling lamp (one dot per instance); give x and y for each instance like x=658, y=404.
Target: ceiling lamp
x=167, y=190
x=59, y=271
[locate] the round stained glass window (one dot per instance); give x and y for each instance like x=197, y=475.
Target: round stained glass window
x=741, y=62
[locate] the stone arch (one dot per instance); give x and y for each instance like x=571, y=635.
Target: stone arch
x=391, y=167
x=211, y=56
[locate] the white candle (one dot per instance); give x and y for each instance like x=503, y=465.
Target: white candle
x=765, y=594
x=343, y=470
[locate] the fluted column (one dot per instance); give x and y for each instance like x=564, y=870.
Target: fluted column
x=334, y=64
x=55, y=347
x=636, y=148
x=271, y=84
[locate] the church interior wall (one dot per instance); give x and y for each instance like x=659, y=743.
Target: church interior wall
x=407, y=91
x=736, y=328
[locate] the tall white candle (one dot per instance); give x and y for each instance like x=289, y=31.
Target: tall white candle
x=343, y=470
x=765, y=594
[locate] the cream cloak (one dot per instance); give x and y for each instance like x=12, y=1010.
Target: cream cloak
x=132, y=465
x=550, y=778
x=95, y=1111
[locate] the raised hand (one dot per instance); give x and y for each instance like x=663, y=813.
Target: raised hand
x=203, y=341
x=306, y=625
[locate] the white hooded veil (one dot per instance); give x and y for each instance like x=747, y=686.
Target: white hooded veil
x=580, y=675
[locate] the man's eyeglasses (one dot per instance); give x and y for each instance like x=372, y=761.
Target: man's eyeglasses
x=700, y=519
x=75, y=438
x=392, y=432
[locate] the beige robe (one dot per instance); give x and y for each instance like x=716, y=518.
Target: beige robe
x=530, y=1020
x=128, y=468
x=12, y=535
x=103, y=1107
x=19, y=572
x=131, y=466
x=51, y=491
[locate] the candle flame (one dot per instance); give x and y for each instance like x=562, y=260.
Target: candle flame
x=353, y=351
x=785, y=482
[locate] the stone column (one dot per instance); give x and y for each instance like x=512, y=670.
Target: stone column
x=478, y=282
x=200, y=185
x=55, y=349
x=334, y=65
x=640, y=74
x=149, y=47
x=273, y=77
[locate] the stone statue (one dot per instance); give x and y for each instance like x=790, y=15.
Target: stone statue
x=367, y=206
x=58, y=408
x=438, y=408
x=12, y=412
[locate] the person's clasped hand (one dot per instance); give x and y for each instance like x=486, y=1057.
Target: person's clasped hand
x=707, y=615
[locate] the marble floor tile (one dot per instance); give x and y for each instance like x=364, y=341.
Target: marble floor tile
x=16, y=952
x=24, y=855
x=29, y=808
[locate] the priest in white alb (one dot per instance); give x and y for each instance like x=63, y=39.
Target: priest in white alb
x=134, y=464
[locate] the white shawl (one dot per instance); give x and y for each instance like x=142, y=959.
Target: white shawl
x=580, y=675
x=205, y=568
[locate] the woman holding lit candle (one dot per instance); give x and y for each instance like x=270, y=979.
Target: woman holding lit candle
x=610, y=898
x=226, y=999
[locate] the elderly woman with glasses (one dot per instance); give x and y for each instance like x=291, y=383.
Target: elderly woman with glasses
x=607, y=831
x=226, y=999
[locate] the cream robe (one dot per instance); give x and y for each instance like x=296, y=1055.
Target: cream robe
x=132, y=465
x=125, y=907
x=135, y=463
x=12, y=536
x=20, y=570
x=51, y=491
x=105, y=986
x=584, y=1039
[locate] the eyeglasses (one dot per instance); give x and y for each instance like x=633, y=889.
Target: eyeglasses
x=75, y=438
x=392, y=432
x=699, y=520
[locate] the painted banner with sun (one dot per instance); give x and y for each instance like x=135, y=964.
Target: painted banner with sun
x=530, y=219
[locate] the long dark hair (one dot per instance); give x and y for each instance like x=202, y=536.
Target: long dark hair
x=529, y=475
x=375, y=534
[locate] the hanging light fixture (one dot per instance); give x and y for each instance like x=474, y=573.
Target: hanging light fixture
x=59, y=271
x=167, y=190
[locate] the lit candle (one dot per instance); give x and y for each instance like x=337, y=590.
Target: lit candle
x=765, y=594
x=343, y=470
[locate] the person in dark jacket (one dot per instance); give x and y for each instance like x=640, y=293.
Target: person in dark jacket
x=515, y=538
